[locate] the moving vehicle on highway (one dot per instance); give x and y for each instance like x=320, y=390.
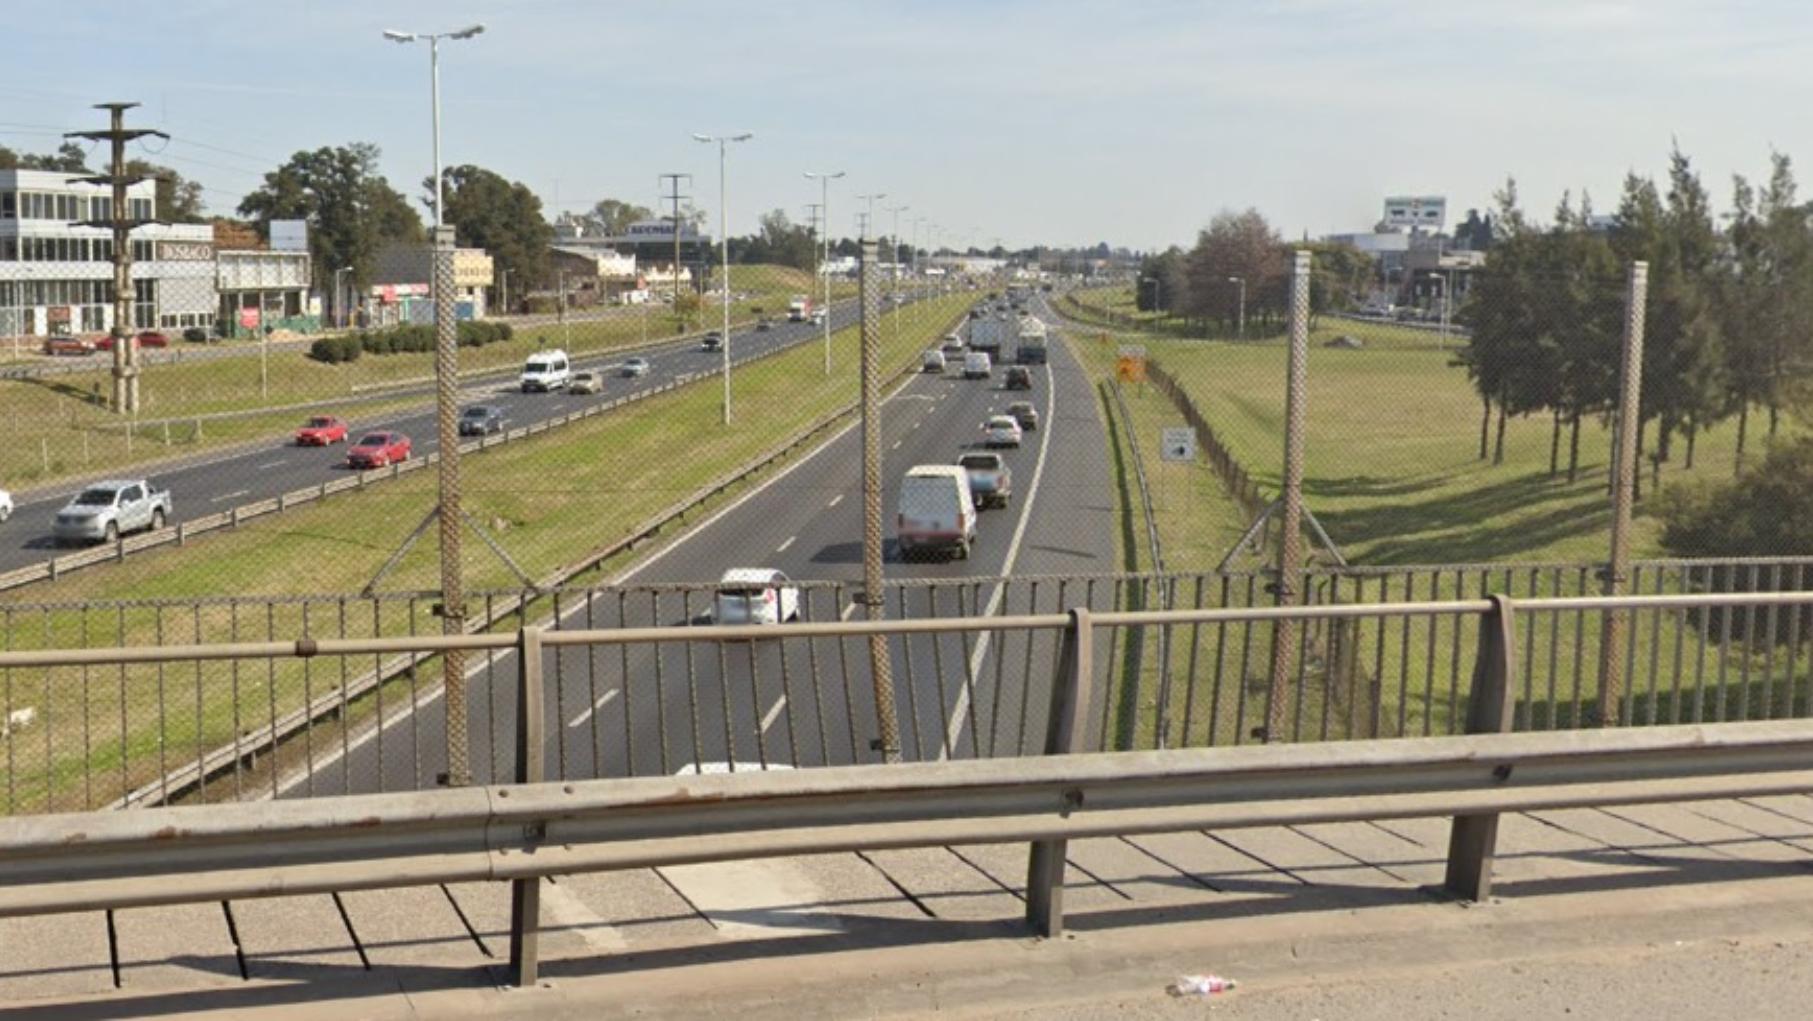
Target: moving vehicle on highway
x=977, y=366
x=991, y=482
x=754, y=595
x=1025, y=414
x=378, y=450
x=585, y=383
x=987, y=335
x=107, y=510
x=546, y=371
x=1001, y=431
x=1017, y=377
x=818, y=317
x=322, y=431
x=712, y=341
x=935, y=511
x=480, y=419
x=953, y=344
x=635, y=367
x=1030, y=346
x=931, y=361
x=799, y=309
x=6, y=506
x=146, y=338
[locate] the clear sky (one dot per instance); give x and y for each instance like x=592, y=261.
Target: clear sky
x=1024, y=120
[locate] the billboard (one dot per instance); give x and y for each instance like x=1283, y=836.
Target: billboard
x=289, y=235
x=1429, y=211
x=657, y=230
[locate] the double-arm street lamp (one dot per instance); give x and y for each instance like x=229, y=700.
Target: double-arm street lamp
x=824, y=179
x=723, y=144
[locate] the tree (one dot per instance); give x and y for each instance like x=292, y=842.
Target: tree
x=179, y=200
x=1341, y=275
x=502, y=217
x=70, y=158
x=1242, y=245
x=611, y=217
x=350, y=208
x=1169, y=289
x=1475, y=232
x=780, y=242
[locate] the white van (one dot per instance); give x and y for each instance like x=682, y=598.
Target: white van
x=931, y=361
x=546, y=371
x=977, y=366
x=935, y=511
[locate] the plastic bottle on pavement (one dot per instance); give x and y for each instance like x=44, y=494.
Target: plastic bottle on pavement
x=1200, y=985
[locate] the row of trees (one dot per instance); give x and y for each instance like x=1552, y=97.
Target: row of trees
x=1727, y=321
x=1203, y=286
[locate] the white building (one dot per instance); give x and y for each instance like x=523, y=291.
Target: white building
x=56, y=277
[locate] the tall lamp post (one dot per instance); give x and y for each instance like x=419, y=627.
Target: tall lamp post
x=868, y=216
x=894, y=264
x=824, y=179
x=446, y=377
x=1240, y=319
x=723, y=144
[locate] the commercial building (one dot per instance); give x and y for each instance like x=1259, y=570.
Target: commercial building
x=596, y=276
x=651, y=244
x=56, y=277
x=402, y=288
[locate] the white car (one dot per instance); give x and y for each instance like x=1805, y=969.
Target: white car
x=586, y=383
x=636, y=367
x=6, y=505
x=755, y=595
x=1001, y=431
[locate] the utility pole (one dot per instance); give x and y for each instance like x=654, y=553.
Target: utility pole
x=673, y=182
x=881, y=666
x=566, y=331
x=1290, y=528
x=723, y=144
x=125, y=342
x=894, y=265
x=824, y=179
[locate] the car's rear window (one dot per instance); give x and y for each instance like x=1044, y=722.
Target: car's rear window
x=374, y=440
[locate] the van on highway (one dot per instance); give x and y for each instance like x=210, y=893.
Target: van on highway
x=546, y=371
x=977, y=366
x=935, y=512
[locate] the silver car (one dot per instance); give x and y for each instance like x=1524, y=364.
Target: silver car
x=635, y=367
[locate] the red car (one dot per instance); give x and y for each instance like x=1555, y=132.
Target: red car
x=322, y=431
x=377, y=450
x=68, y=346
x=149, y=338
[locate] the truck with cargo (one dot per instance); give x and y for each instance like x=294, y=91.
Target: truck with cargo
x=1030, y=346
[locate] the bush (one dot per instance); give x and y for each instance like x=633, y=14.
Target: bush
x=334, y=350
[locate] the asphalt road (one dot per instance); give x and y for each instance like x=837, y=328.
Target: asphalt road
x=211, y=485
x=645, y=710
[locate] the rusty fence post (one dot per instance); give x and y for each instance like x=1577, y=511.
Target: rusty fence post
x=1473, y=839
x=525, y=894
x=1065, y=732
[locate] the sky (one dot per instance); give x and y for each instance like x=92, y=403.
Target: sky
x=1022, y=121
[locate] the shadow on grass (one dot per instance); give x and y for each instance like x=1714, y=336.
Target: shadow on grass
x=1455, y=527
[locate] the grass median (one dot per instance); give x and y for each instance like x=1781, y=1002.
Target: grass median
x=548, y=501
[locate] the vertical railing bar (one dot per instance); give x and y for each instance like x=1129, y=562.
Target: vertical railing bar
x=1190, y=661
x=1246, y=662
x=843, y=669
x=654, y=611
x=692, y=686
x=346, y=715
x=818, y=683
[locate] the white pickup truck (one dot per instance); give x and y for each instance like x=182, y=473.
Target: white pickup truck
x=106, y=510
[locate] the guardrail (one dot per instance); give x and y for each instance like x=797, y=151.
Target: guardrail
x=179, y=533
x=259, y=741
x=533, y=829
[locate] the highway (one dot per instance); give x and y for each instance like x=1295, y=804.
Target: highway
x=642, y=710
x=210, y=485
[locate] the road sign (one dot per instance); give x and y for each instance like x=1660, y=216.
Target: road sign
x=1130, y=367
x=1178, y=444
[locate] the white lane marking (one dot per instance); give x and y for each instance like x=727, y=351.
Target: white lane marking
x=269, y=464
x=229, y=496
x=839, y=498
x=773, y=713
x=586, y=713
x=848, y=611
x=782, y=548
x=1007, y=569
x=896, y=445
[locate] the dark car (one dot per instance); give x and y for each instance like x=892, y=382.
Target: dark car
x=764, y=324
x=1018, y=378
x=1024, y=413
x=712, y=341
x=481, y=419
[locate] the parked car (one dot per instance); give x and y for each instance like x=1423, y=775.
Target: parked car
x=378, y=450
x=546, y=371
x=1024, y=413
x=932, y=361
x=1017, y=377
x=635, y=367
x=977, y=366
x=481, y=419
x=990, y=480
x=147, y=338
x=1001, y=431
x=68, y=346
x=935, y=511
x=754, y=595
x=713, y=341
x=107, y=510
x=585, y=383
x=6, y=506
x=322, y=431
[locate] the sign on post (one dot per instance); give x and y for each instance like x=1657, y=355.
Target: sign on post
x=1177, y=444
x=1130, y=367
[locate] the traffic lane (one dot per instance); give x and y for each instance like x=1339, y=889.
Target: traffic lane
x=266, y=472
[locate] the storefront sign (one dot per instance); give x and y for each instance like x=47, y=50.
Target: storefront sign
x=185, y=251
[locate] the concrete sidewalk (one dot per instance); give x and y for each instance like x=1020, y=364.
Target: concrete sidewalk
x=1302, y=916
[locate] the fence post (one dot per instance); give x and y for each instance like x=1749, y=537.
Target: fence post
x=1624, y=471
x=1290, y=520
x=1473, y=839
x=1064, y=733
x=525, y=894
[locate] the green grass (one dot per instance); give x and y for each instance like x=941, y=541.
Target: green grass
x=548, y=501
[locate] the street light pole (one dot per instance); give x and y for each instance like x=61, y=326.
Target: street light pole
x=446, y=374
x=723, y=143
x=824, y=178
x=1240, y=320
x=894, y=265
